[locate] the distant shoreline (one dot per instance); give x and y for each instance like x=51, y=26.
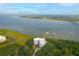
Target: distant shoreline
x=63, y=21
x=71, y=19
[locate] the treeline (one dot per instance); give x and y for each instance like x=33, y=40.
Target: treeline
x=60, y=48
x=54, y=47
x=21, y=47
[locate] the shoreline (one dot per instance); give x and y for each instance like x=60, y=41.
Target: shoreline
x=63, y=21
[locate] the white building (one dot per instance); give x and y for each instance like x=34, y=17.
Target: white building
x=2, y=38
x=39, y=42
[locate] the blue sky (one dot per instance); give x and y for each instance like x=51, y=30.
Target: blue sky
x=40, y=8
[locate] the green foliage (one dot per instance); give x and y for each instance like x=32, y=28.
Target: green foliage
x=18, y=44
x=59, y=48
x=9, y=50
x=72, y=19
x=15, y=36
x=15, y=44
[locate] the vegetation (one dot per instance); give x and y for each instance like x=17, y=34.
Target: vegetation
x=18, y=44
x=72, y=19
x=33, y=17
x=15, y=36
x=60, y=47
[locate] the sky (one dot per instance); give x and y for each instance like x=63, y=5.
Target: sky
x=40, y=8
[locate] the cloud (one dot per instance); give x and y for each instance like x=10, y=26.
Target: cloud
x=67, y=4
x=24, y=8
x=38, y=8
x=66, y=1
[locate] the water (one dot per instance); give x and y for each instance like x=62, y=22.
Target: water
x=63, y=30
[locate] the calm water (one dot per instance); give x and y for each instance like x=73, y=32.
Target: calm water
x=65, y=30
